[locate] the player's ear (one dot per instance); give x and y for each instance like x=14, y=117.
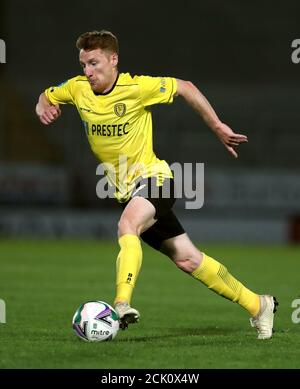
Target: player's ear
x=114, y=59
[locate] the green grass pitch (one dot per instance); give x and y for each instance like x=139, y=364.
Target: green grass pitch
x=183, y=324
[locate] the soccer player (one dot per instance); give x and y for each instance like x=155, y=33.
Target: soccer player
x=116, y=111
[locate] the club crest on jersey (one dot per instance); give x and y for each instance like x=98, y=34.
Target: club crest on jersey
x=120, y=109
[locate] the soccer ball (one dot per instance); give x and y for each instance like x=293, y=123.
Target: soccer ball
x=95, y=321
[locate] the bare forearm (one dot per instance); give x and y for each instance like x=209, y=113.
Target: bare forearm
x=46, y=112
x=42, y=104
x=199, y=103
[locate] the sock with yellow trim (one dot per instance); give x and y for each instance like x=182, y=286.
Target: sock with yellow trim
x=127, y=266
x=216, y=277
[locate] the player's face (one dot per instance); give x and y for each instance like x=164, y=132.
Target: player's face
x=100, y=68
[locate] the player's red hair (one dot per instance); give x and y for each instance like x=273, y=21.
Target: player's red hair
x=104, y=40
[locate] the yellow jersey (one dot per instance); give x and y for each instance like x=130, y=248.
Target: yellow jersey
x=118, y=125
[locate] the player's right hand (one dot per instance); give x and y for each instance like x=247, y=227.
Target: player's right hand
x=48, y=114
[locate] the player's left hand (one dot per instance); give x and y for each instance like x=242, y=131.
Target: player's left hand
x=229, y=138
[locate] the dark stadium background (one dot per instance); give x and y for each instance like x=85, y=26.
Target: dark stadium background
x=238, y=54
x=58, y=241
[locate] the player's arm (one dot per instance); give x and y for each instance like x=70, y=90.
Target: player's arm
x=199, y=103
x=47, y=112
x=47, y=107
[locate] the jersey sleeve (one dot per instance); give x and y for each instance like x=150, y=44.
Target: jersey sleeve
x=60, y=94
x=157, y=90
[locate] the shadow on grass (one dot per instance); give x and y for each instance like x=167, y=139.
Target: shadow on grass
x=182, y=332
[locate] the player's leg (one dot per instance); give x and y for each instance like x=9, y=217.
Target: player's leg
x=140, y=213
x=136, y=217
x=211, y=272
x=216, y=277
x=169, y=237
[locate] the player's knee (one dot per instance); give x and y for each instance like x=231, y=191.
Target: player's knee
x=185, y=265
x=125, y=226
x=188, y=264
